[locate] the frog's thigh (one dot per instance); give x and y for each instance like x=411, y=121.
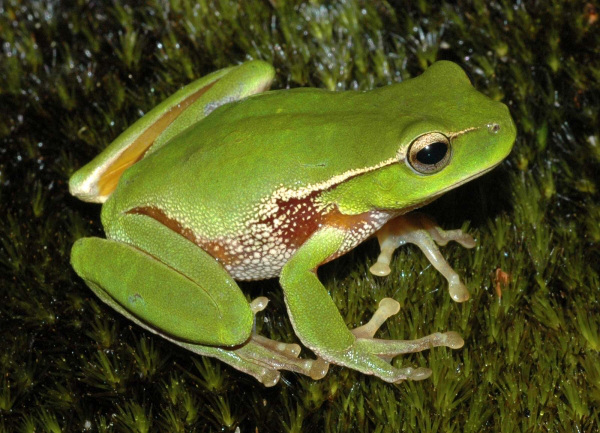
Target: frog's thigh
x=167, y=282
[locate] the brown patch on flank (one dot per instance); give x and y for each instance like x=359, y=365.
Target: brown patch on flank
x=175, y=226
x=263, y=247
x=160, y=216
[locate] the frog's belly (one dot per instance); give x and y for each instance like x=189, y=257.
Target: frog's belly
x=267, y=246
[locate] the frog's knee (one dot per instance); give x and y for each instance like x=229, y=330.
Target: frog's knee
x=235, y=337
x=235, y=331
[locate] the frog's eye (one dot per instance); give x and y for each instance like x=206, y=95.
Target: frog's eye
x=429, y=153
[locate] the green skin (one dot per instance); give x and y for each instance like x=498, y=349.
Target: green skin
x=247, y=185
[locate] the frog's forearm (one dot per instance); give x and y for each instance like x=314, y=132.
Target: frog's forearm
x=309, y=305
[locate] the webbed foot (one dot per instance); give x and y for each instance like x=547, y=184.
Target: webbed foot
x=264, y=358
x=388, y=349
x=421, y=230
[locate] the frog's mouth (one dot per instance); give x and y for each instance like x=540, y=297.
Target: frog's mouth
x=467, y=179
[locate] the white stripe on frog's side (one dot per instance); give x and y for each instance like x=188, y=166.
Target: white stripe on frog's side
x=268, y=205
x=453, y=135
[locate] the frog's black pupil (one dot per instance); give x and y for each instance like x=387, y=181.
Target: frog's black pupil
x=432, y=153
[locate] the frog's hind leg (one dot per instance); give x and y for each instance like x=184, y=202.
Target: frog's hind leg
x=96, y=181
x=171, y=287
x=262, y=357
x=421, y=230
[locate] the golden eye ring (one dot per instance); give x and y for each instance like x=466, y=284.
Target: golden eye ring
x=429, y=153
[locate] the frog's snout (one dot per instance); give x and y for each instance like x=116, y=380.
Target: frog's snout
x=503, y=128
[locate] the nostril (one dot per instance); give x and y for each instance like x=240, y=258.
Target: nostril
x=493, y=128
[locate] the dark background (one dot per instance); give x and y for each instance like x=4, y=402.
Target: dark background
x=75, y=74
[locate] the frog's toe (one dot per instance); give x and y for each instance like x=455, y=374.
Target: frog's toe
x=389, y=349
x=318, y=368
x=408, y=373
x=387, y=308
x=420, y=373
x=394, y=375
x=259, y=304
x=466, y=240
x=264, y=358
x=453, y=340
x=285, y=349
x=381, y=268
x=442, y=237
x=270, y=377
x=373, y=356
x=458, y=291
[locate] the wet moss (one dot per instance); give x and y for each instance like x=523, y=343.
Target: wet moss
x=73, y=75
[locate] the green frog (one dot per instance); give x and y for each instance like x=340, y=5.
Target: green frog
x=226, y=181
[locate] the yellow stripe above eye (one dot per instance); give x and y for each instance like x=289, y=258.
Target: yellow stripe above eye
x=464, y=131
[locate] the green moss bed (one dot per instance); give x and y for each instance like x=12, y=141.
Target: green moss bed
x=74, y=74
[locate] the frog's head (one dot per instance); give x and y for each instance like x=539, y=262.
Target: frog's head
x=445, y=133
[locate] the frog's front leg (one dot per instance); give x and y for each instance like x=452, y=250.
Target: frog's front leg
x=320, y=326
x=171, y=287
x=421, y=230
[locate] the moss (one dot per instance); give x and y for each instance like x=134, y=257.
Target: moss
x=73, y=75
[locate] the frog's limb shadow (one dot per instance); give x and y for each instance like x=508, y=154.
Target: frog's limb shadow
x=421, y=230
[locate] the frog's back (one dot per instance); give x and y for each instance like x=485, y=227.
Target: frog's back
x=250, y=183
x=296, y=139
x=232, y=161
